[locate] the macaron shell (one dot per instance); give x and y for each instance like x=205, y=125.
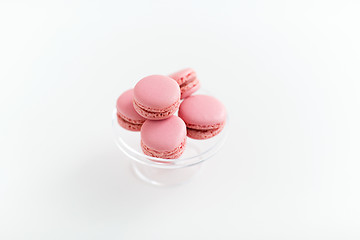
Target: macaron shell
x=189, y=89
x=125, y=108
x=202, y=111
x=187, y=80
x=203, y=134
x=163, y=135
x=156, y=92
x=183, y=75
x=175, y=153
x=155, y=114
x=128, y=125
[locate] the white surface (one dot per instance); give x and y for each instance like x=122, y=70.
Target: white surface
x=287, y=71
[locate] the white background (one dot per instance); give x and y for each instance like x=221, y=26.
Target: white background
x=288, y=72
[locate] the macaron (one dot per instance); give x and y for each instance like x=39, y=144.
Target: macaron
x=187, y=80
x=127, y=117
x=164, y=138
x=156, y=97
x=203, y=115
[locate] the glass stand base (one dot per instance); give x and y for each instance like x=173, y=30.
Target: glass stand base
x=163, y=176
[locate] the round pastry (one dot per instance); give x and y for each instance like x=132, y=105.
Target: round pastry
x=187, y=80
x=203, y=115
x=156, y=97
x=164, y=138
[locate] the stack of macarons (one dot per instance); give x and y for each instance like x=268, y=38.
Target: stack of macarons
x=150, y=107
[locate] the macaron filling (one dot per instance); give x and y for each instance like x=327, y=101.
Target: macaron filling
x=152, y=113
x=205, y=127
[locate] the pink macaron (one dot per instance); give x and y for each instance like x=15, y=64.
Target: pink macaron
x=187, y=80
x=203, y=115
x=156, y=97
x=164, y=138
x=127, y=117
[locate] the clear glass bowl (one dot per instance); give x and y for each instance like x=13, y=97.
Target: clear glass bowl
x=164, y=172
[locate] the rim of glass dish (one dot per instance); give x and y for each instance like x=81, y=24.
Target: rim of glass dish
x=168, y=163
